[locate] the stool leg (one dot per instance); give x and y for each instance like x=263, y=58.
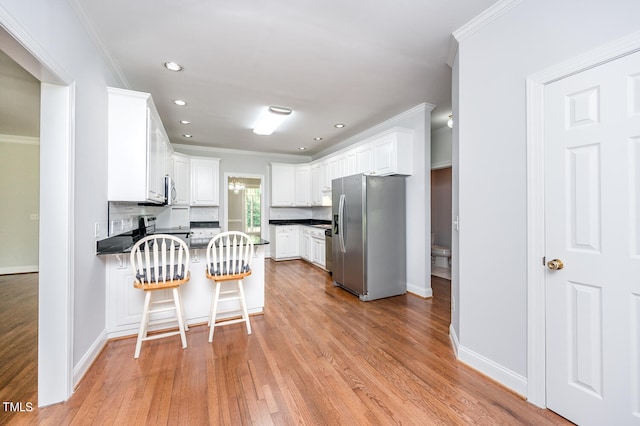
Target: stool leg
x=214, y=311
x=142, y=333
x=180, y=317
x=243, y=304
x=184, y=316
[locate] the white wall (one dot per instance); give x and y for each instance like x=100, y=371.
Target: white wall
x=491, y=161
x=441, y=147
x=20, y=190
x=52, y=31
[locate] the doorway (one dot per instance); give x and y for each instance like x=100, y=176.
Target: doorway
x=19, y=183
x=55, y=281
x=243, y=203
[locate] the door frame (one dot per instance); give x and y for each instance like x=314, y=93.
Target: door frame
x=57, y=165
x=535, y=140
x=225, y=200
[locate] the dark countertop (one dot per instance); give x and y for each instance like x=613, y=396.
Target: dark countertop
x=173, y=231
x=323, y=224
x=123, y=243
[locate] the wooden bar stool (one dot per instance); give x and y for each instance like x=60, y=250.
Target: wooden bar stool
x=160, y=262
x=229, y=257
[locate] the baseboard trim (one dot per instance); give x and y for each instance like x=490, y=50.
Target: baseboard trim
x=89, y=358
x=425, y=293
x=491, y=369
x=25, y=269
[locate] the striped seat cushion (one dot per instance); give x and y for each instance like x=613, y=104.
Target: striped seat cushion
x=173, y=273
x=223, y=268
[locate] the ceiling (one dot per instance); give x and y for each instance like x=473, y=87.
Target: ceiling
x=331, y=61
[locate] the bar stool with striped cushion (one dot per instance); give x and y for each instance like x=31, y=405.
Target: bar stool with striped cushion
x=229, y=257
x=160, y=262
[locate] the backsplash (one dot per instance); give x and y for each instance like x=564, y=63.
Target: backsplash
x=279, y=213
x=123, y=217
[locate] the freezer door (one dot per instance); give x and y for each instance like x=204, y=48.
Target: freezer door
x=353, y=235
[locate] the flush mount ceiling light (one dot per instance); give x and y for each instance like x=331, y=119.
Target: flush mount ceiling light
x=179, y=102
x=173, y=66
x=338, y=126
x=185, y=122
x=317, y=139
x=302, y=148
x=188, y=136
x=270, y=119
x=450, y=121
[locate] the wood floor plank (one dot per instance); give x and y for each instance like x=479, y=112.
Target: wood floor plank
x=317, y=356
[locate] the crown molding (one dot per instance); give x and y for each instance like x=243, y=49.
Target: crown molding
x=21, y=140
x=28, y=52
x=375, y=130
x=476, y=24
x=77, y=7
x=187, y=149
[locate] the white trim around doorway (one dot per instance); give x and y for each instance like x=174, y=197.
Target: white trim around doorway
x=536, y=340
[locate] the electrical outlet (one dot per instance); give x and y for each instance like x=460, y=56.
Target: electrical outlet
x=34, y=216
x=96, y=230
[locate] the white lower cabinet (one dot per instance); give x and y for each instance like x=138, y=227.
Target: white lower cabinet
x=285, y=242
x=318, y=255
x=313, y=245
x=306, y=248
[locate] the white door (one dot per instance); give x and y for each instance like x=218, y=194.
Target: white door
x=592, y=224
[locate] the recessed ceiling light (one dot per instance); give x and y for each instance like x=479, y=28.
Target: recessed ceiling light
x=302, y=148
x=270, y=119
x=188, y=136
x=179, y=102
x=173, y=66
x=185, y=122
x=338, y=126
x=317, y=139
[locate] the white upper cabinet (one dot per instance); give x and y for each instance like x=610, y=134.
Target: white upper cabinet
x=182, y=178
x=290, y=185
x=205, y=181
x=302, y=185
x=283, y=188
x=392, y=154
x=137, y=148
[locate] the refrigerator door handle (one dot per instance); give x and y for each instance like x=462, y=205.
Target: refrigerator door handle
x=341, y=206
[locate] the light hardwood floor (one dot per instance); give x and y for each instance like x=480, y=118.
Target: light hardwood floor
x=318, y=356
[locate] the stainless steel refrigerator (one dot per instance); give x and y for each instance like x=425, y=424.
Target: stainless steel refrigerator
x=369, y=235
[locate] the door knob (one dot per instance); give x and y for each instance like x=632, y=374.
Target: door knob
x=555, y=264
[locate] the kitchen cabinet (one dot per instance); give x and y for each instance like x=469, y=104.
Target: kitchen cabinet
x=290, y=185
x=205, y=181
x=364, y=159
x=283, y=189
x=302, y=186
x=285, y=242
x=182, y=178
x=306, y=249
x=318, y=254
x=316, y=194
x=312, y=247
x=320, y=185
x=391, y=154
x=137, y=148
